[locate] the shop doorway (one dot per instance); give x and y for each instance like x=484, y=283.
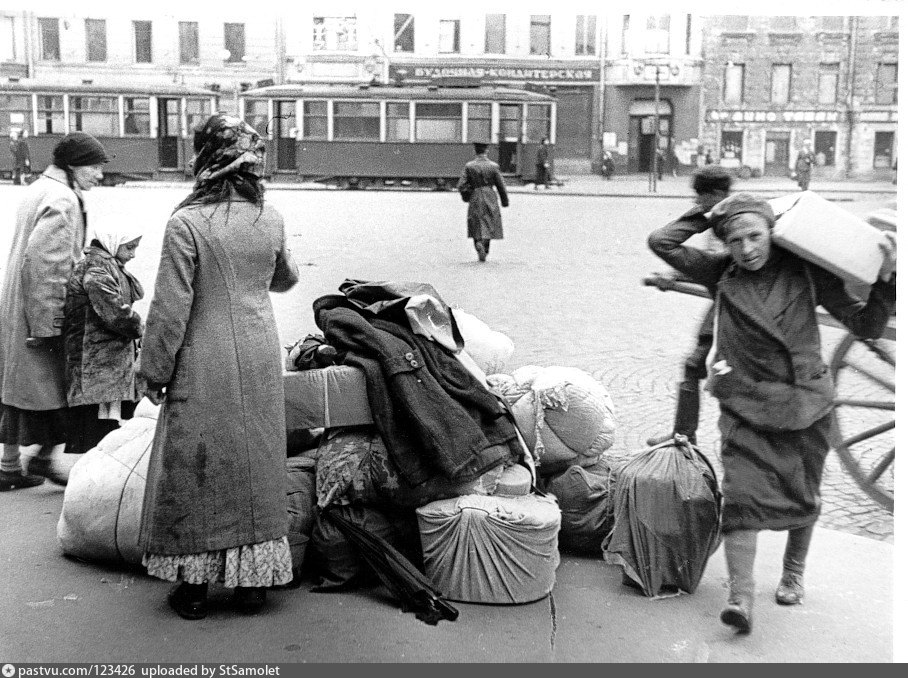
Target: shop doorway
x=777, y=154
x=641, y=134
x=882, y=149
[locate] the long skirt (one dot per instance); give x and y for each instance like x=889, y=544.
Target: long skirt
x=33, y=427
x=85, y=428
x=772, y=479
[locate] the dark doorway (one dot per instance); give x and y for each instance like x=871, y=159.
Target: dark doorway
x=777, y=155
x=285, y=133
x=640, y=146
x=509, y=127
x=168, y=133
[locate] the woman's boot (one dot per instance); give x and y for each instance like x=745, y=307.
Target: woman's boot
x=249, y=599
x=190, y=601
x=740, y=552
x=791, y=587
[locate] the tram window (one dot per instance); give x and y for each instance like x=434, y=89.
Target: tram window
x=509, y=121
x=136, y=120
x=538, y=121
x=356, y=120
x=197, y=113
x=398, y=122
x=257, y=114
x=95, y=115
x=315, y=119
x=15, y=112
x=438, y=122
x=479, y=122
x=50, y=114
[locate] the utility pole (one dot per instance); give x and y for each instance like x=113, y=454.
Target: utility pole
x=654, y=169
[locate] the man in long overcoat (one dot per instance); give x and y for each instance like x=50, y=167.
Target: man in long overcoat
x=804, y=166
x=480, y=179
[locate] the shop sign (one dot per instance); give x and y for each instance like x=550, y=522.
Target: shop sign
x=879, y=116
x=495, y=72
x=772, y=116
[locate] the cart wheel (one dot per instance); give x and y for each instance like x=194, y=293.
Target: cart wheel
x=864, y=375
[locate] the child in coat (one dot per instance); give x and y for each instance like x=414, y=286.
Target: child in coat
x=101, y=332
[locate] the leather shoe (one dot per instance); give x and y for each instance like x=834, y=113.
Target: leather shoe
x=739, y=614
x=16, y=480
x=46, y=469
x=249, y=599
x=791, y=589
x=190, y=601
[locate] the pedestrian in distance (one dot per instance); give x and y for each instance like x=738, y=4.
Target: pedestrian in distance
x=48, y=241
x=775, y=393
x=480, y=179
x=543, y=164
x=215, y=505
x=711, y=184
x=708, y=159
x=804, y=166
x=660, y=163
x=608, y=165
x=22, y=161
x=101, y=332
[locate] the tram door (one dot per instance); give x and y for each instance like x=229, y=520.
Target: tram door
x=168, y=133
x=509, y=126
x=285, y=133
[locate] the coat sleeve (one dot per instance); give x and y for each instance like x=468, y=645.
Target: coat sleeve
x=286, y=272
x=667, y=243
x=866, y=320
x=168, y=313
x=108, y=301
x=502, y=191
x=464, y=187
x=46, y=266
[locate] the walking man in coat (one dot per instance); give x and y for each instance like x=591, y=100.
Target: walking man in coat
x=543, y=164
x=480, y=179
x=803, y=166
x=22, y=162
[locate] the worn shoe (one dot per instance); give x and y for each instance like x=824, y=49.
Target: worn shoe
x=16, y=480
x=738, y=613
x=47, y=469
x=190, y=601
x=249, y=599
x=481, y=251
x=791, y=589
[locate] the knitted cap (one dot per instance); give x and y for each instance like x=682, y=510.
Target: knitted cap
x=78, y=149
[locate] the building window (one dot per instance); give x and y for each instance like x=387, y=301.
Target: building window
x=315, y=119
x=197, y=113
x=887, y=84
x=404, y=33
x=783, y=24
x=732, y=142
x=541, y=34
x=585, y=43
x=539, y=117
x=136, y=118
x=625, y=33
x=449, y=36
x=780, y=84
x=334, y=33
x=398, y=122
x=882, y=150
x=356, y=120
x=50, y=39
x=235, y=42
x=96, y=39
x=657, y=33
x=832, y=24
x=7, y=38
x=438, y=122
x=479, y=122
x=142, y=32
x=735, y=22
x=688, y=33
x=824, y=147
x=733, y=92
x=495, y=33
x=50, y=114
x=255, y=113
x=189, y=42
x=15, y=111
x=828, y=83
x=96, y=115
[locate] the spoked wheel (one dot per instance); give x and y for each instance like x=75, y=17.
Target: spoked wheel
x=864, y=374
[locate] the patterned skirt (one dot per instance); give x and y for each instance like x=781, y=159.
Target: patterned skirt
x=267, y=563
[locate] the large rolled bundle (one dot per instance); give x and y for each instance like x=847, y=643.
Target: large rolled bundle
x=479, y=549
x=586, y=499
x=566, y=418
x=490, y=349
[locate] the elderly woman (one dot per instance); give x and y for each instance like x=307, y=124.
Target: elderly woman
x=215, y=501
x=774, y=391
x=49, y=239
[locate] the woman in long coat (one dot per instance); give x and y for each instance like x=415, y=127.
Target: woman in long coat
x=215, y=500
x=480, y=179
x=49, y=238
x=774, y=391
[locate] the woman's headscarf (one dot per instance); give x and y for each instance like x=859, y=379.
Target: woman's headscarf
x=112, y=237
x=739, y=203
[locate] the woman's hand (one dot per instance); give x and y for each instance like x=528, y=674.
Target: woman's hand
x=889, y=247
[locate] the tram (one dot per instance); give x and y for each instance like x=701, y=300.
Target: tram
x=361, y=136
x=147, y=131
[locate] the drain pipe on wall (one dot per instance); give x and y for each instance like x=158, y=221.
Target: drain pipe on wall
x=849, y=94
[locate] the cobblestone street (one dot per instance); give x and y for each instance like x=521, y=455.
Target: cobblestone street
x=565, y=285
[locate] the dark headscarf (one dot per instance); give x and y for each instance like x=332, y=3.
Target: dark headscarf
x=78, y=149
x=228, y=153
x=739, y=203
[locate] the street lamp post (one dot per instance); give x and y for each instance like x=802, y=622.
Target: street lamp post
x=654, y=169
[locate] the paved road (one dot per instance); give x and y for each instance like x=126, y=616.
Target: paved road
x=564, y=285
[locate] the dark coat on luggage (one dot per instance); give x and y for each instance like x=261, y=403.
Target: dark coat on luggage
x=778, y=395
x=100, y=329
x=480, y=179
